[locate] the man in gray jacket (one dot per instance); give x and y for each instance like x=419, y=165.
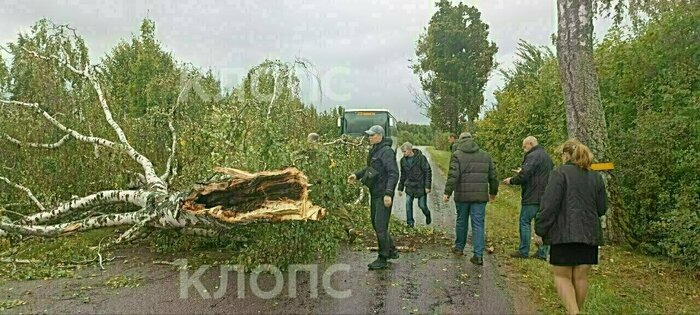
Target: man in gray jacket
x=473, y=179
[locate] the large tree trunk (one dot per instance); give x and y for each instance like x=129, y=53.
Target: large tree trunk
x=585, y=115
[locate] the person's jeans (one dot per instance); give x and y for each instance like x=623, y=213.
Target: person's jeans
x=477, y=213
x=380, y=222
x=422, y=204
x=527, y=215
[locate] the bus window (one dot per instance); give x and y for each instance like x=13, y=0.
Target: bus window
x=356, y=123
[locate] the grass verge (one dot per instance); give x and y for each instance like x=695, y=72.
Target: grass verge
x=625, y=281
x=442, y=158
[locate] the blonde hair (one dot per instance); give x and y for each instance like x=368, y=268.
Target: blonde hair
x=579, y=154
x=531, y=140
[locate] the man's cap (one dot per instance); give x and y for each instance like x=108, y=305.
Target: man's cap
x=376, y=129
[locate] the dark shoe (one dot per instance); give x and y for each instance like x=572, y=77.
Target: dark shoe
x=352, y=235
x=477, y=260
x=411, y=225
x=428, y=219
x=457, y=252
x=378, y=264
x=539, y=257
x=516, y=254
x=394, y=254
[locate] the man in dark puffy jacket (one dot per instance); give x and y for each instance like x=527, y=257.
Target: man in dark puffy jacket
x=473, y=179
x=532, y=176
x=416, y=179
x=381, y=176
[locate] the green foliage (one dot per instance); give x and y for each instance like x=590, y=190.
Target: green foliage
x=530, y=103
x=327, y=122
x=422, y=135
x=54, y=257
x=455, y=58
x=3, y=75
x=142, y=76
x=650, y=88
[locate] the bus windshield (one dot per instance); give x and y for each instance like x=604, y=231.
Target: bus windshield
x=356, y=123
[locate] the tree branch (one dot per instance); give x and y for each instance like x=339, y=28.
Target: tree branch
x=311, y=71
x=135, y=197
x=78, y=136
x=116, y=219
x=151, y=177
x=171, y=171
x=26, y=190
x=39, y=145
x=345, y=141
x=274, y=95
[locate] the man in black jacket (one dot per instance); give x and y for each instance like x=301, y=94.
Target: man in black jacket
x=473, y=179
x=381, y=176
x=532, y=176
x=416, y=179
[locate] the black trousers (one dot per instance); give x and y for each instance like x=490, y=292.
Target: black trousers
x=380, y=222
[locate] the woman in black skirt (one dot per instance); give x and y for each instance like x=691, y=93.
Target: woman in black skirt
x=569, y=221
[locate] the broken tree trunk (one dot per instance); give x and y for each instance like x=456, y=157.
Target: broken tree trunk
x=244, y=197
x=235, y=196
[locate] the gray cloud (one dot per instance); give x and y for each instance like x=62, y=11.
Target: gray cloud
x=365, y=43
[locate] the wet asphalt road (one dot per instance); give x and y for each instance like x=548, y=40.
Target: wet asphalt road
x=430, y=280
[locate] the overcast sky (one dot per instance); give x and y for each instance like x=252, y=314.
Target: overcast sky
x=361, y=48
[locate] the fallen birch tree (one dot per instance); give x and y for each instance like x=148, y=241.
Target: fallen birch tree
x=231, y=197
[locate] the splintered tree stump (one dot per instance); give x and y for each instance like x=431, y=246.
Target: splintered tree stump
x=239, y=196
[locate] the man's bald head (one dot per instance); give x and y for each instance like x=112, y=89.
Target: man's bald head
x=529, y=142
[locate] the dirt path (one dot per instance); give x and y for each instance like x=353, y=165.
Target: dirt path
x=430, y=280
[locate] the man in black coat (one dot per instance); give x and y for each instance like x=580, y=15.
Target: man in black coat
x=533, y=177
x=381, y=176
x=416, y=179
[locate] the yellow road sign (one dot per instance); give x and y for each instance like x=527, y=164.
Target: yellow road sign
x=602, y=166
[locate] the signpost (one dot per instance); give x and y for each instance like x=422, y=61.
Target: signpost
x=602, y=166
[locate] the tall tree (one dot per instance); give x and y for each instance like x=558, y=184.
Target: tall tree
x=585, y=115
x=138, y=71
x=454, y=59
